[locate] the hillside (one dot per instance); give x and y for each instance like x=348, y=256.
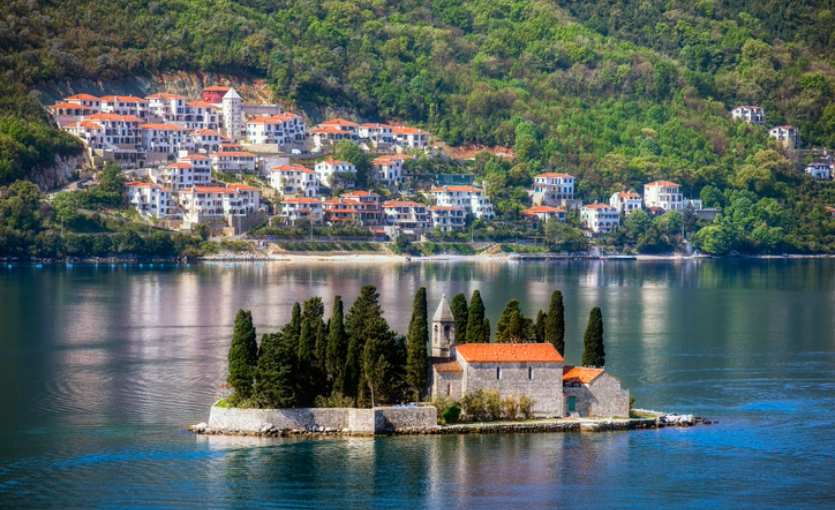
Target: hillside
x=616, y=92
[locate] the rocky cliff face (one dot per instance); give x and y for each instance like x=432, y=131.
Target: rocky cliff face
x=60, y=173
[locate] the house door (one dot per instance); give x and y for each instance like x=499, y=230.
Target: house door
x=570, y=404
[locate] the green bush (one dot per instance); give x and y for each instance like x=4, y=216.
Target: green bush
x=451, y=415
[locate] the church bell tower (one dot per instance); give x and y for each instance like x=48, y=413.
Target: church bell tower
x=443, y=330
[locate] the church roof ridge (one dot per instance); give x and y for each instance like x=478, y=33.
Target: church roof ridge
x=444, y=312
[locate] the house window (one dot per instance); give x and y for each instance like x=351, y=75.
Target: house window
x=498, y=373
x=448, y=390
x=530, y=373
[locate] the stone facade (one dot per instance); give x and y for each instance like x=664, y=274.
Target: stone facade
x=541, y=381
x=600, y=397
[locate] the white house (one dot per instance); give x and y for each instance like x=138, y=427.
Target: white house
x=471, y=199
x=349, y=209
x=166, y=138
x=294, y=179
x=125, y=105
x=664, y=194
x=447, y=219
x=342, y=125
x=788, y=136
x=201, y=115
x=378, y=133
x=91, y=133
x=234, y=161
x=302, y=208
x=822, y=168
x=406, y=215
x=749, y=114
x=205, y=203
x=333, y=173
x=553, y=189
x=170, y=108
x=122, y=138
x=280, y=129
x=545, y=213
x=625, y=203
x=410, y=137
x=389, y=171
x=177, y=176
x=330, y=135
x=600, y=218
x=207, y=140
x=151, y=200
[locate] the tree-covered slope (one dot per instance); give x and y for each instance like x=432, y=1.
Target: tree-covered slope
x=617, y=93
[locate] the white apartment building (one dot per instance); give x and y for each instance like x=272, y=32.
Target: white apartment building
x=600, y=218
x=378, y=133
x=545, y=213
x=91, y=133
x=664, y=194
x=625, y=203
x=342, y=125
x=233, y=161
x=446, y=219
x=788, y=136
x=328, y=172
x=92, y=102
x=201, y=115
x=406, y=215
x=347, y=209
x=330, y=135
x=276, y=129
x=302, y=208
x=410, y=137
x=821, y=169
x=294, y=180
x=177, y=176
x=389, y=169
x=151, y=200
x=170, y=108
x=122, y=138
x=207, y=140
x=203, y=203
x=126, y=105
x=166, y=138
x=198, y=161
x=553, y=189
x=750, y=114
x=471, y=199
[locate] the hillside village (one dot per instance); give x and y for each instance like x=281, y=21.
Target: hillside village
x=175, y=148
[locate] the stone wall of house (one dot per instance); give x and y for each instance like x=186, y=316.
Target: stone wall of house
x=405, y=419
x=447, y=384
x=544, y=384
x=602, y=398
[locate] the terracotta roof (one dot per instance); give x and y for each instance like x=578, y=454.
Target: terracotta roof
x=210, y=189
x=329, y=130
x=292, y=168
x=507, y=353
x=301, y=200
x=124, y=99
x=195, y=156
x=235, y=154
x=180, y=165
x=629, y=195
x=70, y=105
x=598, y=206
x=140, y=185
x=830, y=209
x=396, y=157
x=360, y=194
x=244, y=187
x=202, y=104
x=207, y=132
x=447, y=366
x=783, y=127
x=444, y=189
x=584, y=375
x=163, y=95
x=163, y=127
x=554, y=175
x=440, y=208
x=663, y=183
x=216, y=88
x=87, y=124
x=83, y=97
x=401, y=203
x=542, y=209
x=375, y=126
x=113, y=116
x=408, y=131
x=335, y=162
x=339, y=122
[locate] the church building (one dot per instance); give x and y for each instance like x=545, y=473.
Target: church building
x=533, y=369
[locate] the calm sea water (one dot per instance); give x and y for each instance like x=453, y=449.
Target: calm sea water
x=102, y=369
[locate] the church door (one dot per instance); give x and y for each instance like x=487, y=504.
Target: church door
x=570, y=404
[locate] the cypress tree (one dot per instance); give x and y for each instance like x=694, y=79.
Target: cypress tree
x=364, y=310
x=461, y=314
x=593, y=353
x=555, y=323
x=417, y=360
x=305, y=367
x=275, y=380
x=376, y=368
x=243, y=356
x=295, y=322
x=337, y=350
x=485, y=331
x=513, y=326
x=475, y=322
x=539, y=327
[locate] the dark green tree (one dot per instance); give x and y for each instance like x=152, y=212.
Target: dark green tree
x=275, y=375
x=539, y=327
x=485, y=331
x=243, y=356
x=377, y=369
x=305, y=366
x=337, y=350
x=417, y=361
x=475, y=321
x=555, y=323
x=461, y=314
x=593, y=353
x=513, y=326
x=362, y=313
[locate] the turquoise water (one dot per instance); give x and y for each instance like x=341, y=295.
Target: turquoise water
x=103, y=368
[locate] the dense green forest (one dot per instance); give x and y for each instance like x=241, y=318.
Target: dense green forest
x=618, y=93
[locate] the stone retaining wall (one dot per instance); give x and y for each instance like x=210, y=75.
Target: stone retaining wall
x=381, y=420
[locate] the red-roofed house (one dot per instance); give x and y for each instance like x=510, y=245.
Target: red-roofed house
x=125, y=105
x=343, y=125
x=664, y=194
x=294, y=180
x=831, y=211
x=471, y=199
x=332, y=173
x=218, y=202
x=592, y=391
x=302, y=208
x=207, y=140
x=545, y=213
x=405, y=215
x=151, y=200
x=280, y=129
x=410, y=137
x=214, y=94
x=625, y=203
x=170, y=108
x=166, y=138
x=202, y=115
x=347, y=209
x=788, y=136
x=554, y=189
x=233, y=161
x=389, y=169
x=377, y=133
x=600, y=218
x=182, y=175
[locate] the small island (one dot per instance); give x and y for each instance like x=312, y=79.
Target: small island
x=353, y=375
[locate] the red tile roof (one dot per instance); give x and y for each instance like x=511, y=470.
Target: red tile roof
x=441, y=208
x=124, y=99
x=292, y=168
x=598, y=206
x=210, y=189
x=402, y=203
x=70, y=105
x=82, y=97
x=584, y=375
x=408, y=131
x=244, y=187
x=445, y=367
x=180, y=165
x=195, y=156
x=201, y=104
x=554, y=175
x=543, y=209
x=163, y=95
x=164, y=127
x=666, y=184
x=140, y=185
x=339, y=122
x=113, y=116
x=301, y=200
x=216, y=88
x=234, y=154
x=329, y=130
x=207, y=132
x=508, y=353
x=444, y=189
